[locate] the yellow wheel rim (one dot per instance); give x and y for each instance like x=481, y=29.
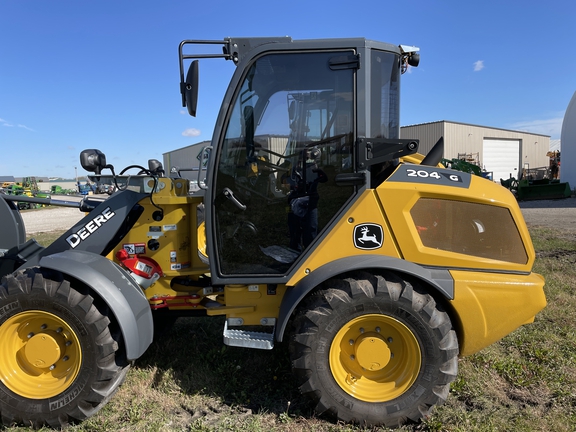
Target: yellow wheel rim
x=375, y=358
x=40, y=356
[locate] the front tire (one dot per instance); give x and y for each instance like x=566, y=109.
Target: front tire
x=61, y=358
x=374, y=350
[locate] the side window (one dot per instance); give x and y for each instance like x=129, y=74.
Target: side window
x=385, y=95
x=468, y=228
x=290, y=133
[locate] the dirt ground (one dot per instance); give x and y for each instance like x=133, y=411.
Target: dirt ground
x=52, y=219
x=559, y=214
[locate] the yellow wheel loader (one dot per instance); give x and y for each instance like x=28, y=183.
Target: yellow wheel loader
x=315, y=224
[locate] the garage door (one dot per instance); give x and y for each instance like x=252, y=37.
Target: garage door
x=501, y=157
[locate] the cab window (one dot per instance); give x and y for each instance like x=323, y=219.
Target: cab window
x=289, y=134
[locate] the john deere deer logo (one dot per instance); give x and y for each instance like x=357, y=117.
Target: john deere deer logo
x=368, y=236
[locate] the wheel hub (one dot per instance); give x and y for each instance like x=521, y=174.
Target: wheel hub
x=41, y=354
x=44, y=349
x=372, y=352
x=375, y=358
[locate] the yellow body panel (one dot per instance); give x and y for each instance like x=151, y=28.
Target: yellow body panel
x=176, y=232
x=339, y=243
x=490, y=305
x=492, y=297
x=180, y=239
x=264, y=304
x=399, y=198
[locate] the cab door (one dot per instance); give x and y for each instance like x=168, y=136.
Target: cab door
x=289, y=133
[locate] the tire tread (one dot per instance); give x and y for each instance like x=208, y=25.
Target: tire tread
x=111, y=365
x=331, y=297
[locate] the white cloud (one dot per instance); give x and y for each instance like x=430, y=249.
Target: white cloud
x=4, y=122
x=552, y=126
x=478, y=65
x=191, y=132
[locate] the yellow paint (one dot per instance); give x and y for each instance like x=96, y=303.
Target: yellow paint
x=375, y=358
x=264, y=304
x=41, y=355
x=339, y=243
x=399, y=198
x=176, y=234
x=488, y=306
x=489, y=301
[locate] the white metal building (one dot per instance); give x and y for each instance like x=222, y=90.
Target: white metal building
x=500, y=151
x=187, y=159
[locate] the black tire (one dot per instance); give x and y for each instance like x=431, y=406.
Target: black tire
x=62, y=357
x=343, y=346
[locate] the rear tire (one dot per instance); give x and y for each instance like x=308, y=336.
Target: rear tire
x=61, y=358
x=374, y=350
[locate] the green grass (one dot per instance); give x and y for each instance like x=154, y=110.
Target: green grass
x=45, y=238
x=189, y=381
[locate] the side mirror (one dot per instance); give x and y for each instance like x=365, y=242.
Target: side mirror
x=93, y=161
x=190, y=89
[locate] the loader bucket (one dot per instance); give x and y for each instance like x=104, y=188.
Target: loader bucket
x=543, y=190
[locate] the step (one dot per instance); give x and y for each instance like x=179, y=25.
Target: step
x=248, y=339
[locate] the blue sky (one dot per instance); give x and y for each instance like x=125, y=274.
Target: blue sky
x=78, y=74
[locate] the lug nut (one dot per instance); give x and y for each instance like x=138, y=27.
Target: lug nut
x=377, y=329
x=43, y=326
x=361, y=329
x=65, y=358
x=390, y=340
x=30, y=335
x=52, y=367
x=351, y=341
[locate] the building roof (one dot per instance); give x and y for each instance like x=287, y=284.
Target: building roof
x=473, y=125
x=555, y=145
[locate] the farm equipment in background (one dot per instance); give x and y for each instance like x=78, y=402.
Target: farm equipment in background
x=59, y=190
x=462, y=165
x=86, y=188
x=537, y=183
x=27, y=188
x=467, y=162
x=378, y=266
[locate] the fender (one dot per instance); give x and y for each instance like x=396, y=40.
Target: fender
x=120, y=292
x=12, y=237
x=12, y=230
x=439, y=279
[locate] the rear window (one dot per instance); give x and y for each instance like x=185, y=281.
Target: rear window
x=469, y=228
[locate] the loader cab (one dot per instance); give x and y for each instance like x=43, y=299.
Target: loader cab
x=285, y=139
